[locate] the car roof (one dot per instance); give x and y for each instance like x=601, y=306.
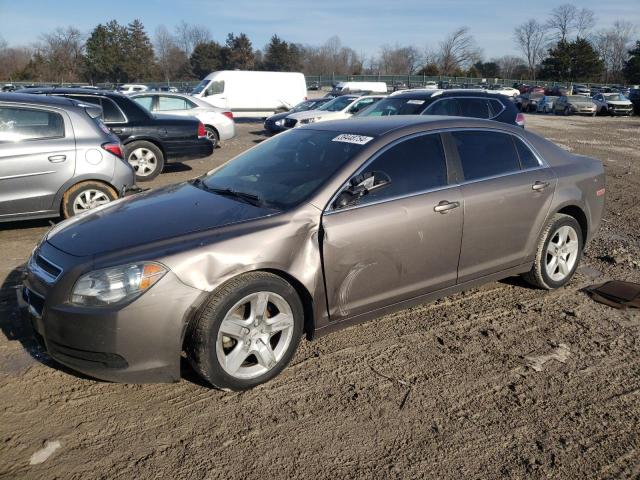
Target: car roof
x=33, y=99
x=74, y=91
x=424, y=94
x=377, y=126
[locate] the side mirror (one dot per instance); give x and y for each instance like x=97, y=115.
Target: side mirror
x=359, y=186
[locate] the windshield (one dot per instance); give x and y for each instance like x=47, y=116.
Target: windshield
x=615, y=97
x=337, y=104
x=394, y=106
x=285, y=170
x=200, y=87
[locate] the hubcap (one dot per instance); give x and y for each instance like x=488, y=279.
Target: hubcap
x=254, y=335
x=211, y=135
x=143, y=161
x=562, y=253
x=89, y=199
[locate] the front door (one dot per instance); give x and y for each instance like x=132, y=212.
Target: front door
x=37, y=156
x=399, y=241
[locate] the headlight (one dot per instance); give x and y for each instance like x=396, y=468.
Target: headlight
x=116, y=285
x=280, y=122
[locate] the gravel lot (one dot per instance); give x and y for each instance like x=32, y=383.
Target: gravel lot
x=499, y=382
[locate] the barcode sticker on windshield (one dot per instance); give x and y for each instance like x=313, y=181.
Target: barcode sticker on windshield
x=348, y=138
x=415, y=102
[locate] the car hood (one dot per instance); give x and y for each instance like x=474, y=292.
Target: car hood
x=315, y=114
x=619, y=102
x=586, y=103
x=149, y=217
x=278, y=116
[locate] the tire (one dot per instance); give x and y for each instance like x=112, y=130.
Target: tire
x=146, y=159
x=86, y=196
x=212, y=135
x=559, y=226
x=226, y=330
x=567, y=112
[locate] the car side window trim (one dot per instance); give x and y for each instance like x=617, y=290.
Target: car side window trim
x=65, y=122
x=328, y=210
x=101, y=97
x=426, y=110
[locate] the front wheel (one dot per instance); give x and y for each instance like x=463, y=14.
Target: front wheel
x=247, y=332
x=86, y=196
x=558, y=253
x=145, y=158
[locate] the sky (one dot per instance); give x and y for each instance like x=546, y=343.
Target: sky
x=363, y=25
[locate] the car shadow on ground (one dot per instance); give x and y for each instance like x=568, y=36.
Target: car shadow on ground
x=25, y=224
x=176, y=167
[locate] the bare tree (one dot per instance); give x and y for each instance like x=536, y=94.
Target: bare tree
x=171, y=59
x=62, y=53
x=188, y=36
x=531, y=39
x=13, y=60
x=613, y=45
x=562, y=21
x=584, y=22
x=331, y=58
x=398, y=60
x=457, y=51
x=509, y=64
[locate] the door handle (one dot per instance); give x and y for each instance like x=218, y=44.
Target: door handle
x=57, y=158
x=117, y=131
x=539, y=186
x=444, y=206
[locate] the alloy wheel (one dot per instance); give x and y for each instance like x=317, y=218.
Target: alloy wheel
x=254, y=335
x=562, y=253
x=88, y=199
x=143, y=161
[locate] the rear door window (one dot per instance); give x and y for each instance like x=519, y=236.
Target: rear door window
x=171, y=103
x=413, y=165
x=145, y=102
x=20, y=124
x=474, y=108
x=486, y=154
x=446, y=106
x=110, y=112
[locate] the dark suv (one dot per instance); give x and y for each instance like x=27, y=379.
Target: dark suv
x=458, y=103
x=149, y=142
x=634, y=96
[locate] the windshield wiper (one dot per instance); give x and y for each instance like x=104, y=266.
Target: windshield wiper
x=246, y=197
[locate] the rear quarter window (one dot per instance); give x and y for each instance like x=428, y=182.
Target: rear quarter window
x=110, y=112
x=21, y=124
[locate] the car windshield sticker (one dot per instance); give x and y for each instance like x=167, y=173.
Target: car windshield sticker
x=357, y=139
x=415, y=102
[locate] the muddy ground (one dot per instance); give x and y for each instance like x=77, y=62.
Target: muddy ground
x=499, y=382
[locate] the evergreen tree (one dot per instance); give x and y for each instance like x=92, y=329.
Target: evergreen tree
x=280, y=56
x=632, y=66
x=572, y=61
x=139, y=62
x=106, y=53
x=241, y=54
x=208, y=57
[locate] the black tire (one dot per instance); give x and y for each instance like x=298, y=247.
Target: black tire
x=77, y=195
x=201, y=342
x=538, y=276
x=567, y=112
x=132, y=150
x=212, y=134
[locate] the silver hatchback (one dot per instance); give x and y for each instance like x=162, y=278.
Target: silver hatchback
x=56, y=158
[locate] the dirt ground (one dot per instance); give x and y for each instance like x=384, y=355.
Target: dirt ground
x=498, y=382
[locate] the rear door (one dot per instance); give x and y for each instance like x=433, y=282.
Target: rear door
x=393, y=244
x=507, y=193
x=37, y=156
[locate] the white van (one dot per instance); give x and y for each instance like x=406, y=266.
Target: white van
x=248, y=93
x=353, y=87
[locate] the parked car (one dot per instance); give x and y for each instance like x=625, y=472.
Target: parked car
x=506, y=91
x=57, y=158
x=340, y=107
x=528, y=102
x=359, y=87
x=217, y=122
x=560, y=90
x=306, y=233
x=545, y=104
x=165, y=88
x=574, y=104
x=581, y=90
x=251, y=94
x=634, y=98
x=275, y=123
x=431, y=85
x=149, y=141
x=9, y=87
x=463, y=103
x=613, y=104
x=129, y=88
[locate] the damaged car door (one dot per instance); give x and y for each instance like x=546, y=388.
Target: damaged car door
x=393, y=232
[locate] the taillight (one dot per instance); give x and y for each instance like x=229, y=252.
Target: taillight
x=520, y=120
x=114, y=148
x=229, y=115
x=202, y=133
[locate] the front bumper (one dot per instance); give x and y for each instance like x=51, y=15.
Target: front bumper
x=139, y=342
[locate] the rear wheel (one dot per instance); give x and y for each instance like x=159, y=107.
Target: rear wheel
x=247, y=332
x=145, y=158
x=85, y=196
x=212, y=135
x=558, y=253
x=567, y=111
